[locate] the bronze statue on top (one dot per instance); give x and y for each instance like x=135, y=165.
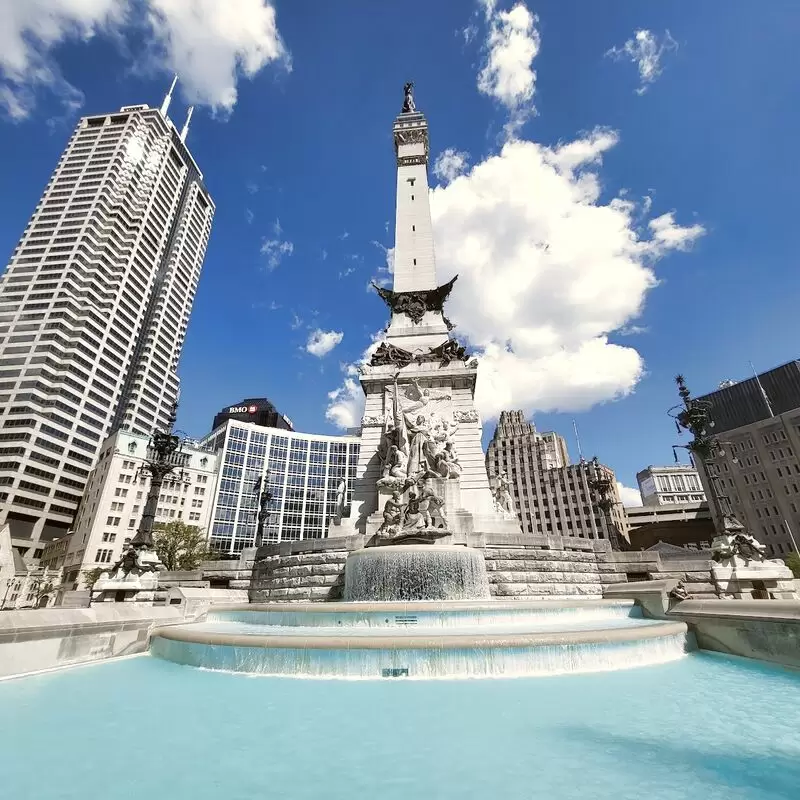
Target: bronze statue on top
x=408, y=99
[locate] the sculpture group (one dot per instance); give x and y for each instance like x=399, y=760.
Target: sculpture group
x=417, y=442
x=422, y=517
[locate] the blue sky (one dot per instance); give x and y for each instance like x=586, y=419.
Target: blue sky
x=588, y=308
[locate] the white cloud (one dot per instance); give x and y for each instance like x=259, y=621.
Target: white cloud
x=646, y=51
x=450, y=164
x=296, y=322
x=274, y=251
x=320, y=342
x=383, y=277
x=210, y=44
x=345, y=272
x=629, y=495
x=468, y=33
x=324, y=254
x=512, y=42
x=249, y=216
x=549, y=268
x=346, y=404
x=547, y=271
x=343, y=236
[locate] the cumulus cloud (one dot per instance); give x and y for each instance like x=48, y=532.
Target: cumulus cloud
x=549, y=270
x=320, y=342
x=512, y=43
x=274, y=251
x=646, y=51
x=211, y=45
x=346, y=404
x=450, y=164
x=629, y=495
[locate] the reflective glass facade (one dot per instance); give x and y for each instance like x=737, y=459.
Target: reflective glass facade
x=302, y=471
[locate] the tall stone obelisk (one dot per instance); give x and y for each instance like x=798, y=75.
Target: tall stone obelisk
x=421, y=434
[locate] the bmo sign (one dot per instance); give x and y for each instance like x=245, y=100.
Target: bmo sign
x=243, y=409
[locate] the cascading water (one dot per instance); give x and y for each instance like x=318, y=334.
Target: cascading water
x=415, y=572
x=439, y=639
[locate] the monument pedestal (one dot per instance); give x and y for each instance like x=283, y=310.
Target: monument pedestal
x=745, y=579
x=132, y=581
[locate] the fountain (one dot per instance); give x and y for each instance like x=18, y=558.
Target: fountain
x=417, y=600
x=416, y=572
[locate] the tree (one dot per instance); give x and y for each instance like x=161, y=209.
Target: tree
x=91, y=576
x=793, y=562
x=180, y=546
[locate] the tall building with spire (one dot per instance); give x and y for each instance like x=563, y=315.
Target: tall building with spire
x=421, y=434
x=94, y=307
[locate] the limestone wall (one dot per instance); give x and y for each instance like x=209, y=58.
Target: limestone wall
x=529, y=573
x=42, y=639
x=695, y=572
x=519, y=565
x=309, y=570
x=768, y=630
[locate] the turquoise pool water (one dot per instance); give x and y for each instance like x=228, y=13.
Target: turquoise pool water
x=703, y=727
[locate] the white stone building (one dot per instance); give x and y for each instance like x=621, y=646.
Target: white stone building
x=94, y=306
x=116, y=491
x=23, y=585
x=668, y=485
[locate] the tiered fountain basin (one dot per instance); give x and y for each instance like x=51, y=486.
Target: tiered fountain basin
x=428, y=639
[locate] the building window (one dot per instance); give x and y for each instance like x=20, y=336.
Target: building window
x=109, y=537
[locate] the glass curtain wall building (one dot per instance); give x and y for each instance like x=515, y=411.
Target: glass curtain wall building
x=301, y=470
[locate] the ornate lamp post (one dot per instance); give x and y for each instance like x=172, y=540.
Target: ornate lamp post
x=163, y=457
x=602, y=488
x=263, y=499
x=694, y=415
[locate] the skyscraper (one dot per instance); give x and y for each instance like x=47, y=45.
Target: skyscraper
x=94, y=306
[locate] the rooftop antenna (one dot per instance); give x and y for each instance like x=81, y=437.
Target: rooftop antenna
x=168, y=96
x=578, y=440
x=185, y=129
x=763, y=393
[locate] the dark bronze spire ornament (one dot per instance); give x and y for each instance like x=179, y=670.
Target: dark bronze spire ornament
x=163, y=457
x=408, y=99
x=694, y=415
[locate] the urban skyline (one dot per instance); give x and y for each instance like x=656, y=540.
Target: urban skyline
x=241, y=286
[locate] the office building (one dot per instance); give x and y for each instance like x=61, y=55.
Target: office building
x=258, y=410
x=302, y=471
x=94, y=307
x=116, y=491
x=676, y=483
x=551, y=496
x=757, y=470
